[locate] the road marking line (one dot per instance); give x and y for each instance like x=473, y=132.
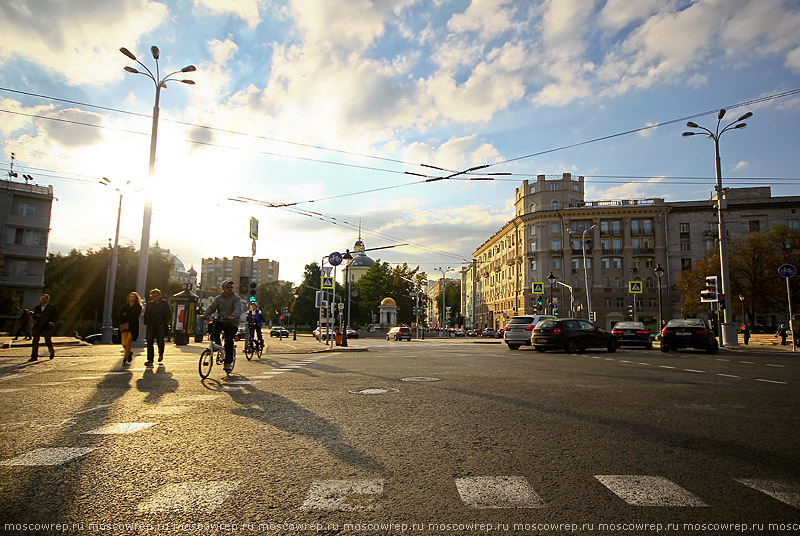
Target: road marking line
x=167, y=410
x=771, y=365
x=770, y=381
x=242, y=382
x=623, y=361
x=120, y=372
x=89, y=378
x=610, y=359
x=121, y=428
x=343, y=495
x=647, y=364
x=728, y=375
x=49, y=456
x=666, y=367
x=189, y=497
x=498, y=492
x=199, y=398
x=101, y=406
x=643, y=490
x=747, y=362
x=266, y=376
x=697, y=371
x=11, y=390
x=786, y=492
x=720, y=359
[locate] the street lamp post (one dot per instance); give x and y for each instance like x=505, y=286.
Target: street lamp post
x=295, y=295
x=586, y=272
x=144, y=249
x=552, y=279
x=729, y=336
x=443, y=288
x=107, y=331
x=659, y=273
x=744, y=318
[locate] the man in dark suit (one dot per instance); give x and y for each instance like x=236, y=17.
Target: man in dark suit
x=45, y=316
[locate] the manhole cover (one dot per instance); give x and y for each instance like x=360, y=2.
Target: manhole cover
x=419, y=379
x=373, y=391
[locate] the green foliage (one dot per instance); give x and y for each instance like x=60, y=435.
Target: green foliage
x=382, y=281
x=9, y=303
x=304, y=310
x=273, y=297
x=76, y=283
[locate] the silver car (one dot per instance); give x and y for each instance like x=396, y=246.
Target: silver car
x=519, y=329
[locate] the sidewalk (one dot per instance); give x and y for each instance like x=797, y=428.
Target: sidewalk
x=9, y=342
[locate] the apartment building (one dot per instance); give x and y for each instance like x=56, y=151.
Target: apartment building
x=25, y=226
x=622, y=241
x=240, y=270
x=553, y=231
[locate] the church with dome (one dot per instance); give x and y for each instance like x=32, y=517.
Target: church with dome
x=360, y=264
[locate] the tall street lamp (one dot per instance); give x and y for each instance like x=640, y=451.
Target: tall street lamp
x=107, y=331
x=160, y=82
x=659, y=273
x=443, y=288
x=295, y=295
x=729, y=336
x=744, y=318
x=586, y=272
x=552, y=279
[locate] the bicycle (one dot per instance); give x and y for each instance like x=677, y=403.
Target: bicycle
x=252, y=346
x=214, y=352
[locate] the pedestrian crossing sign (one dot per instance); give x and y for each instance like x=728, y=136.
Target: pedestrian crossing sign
x=327, y=282
x=634, y=287
x=538, y=288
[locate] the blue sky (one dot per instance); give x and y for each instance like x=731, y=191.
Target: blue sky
x=365, y=91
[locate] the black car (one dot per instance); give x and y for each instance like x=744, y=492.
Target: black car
x=571, y=335
x=632, y=334
x=688, y=333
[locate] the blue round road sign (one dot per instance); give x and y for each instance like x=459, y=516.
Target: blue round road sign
x=787, y=270
x=335, y=258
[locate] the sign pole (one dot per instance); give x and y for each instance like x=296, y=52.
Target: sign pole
x=789, y=297
x=787, y=271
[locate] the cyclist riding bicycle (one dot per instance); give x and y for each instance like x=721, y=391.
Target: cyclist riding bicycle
x=228, y=307
x=255, y=319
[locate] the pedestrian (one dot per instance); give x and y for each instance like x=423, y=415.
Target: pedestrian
x=45, y=316
x=795, y=326
x=157, y=316
x=129, y=324
x=783, y=332
x=228, y=307
x=746, y=334
x=24, y=325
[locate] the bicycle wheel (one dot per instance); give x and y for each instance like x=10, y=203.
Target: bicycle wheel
x=259, y=350
x=206, y=361
x=249, y=351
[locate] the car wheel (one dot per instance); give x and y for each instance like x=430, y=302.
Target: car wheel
x=712, y=349
x=612, y=345
x=539, y=348
x=571, y=347
x=513, y=346
x=664, y=347
x=649, y=346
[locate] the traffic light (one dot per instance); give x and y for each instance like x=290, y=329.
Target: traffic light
x=253, y=287
x=243, y=281
x=709, y=292
x=630, y=311
x=722, y=301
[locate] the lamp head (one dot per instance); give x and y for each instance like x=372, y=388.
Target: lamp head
x=155, y=52
x=127, y=53
x=190, y=82
x=721, y=114
x=189, y=69
x=692, y=124
x=131, y=70
x=745, y=116
x=687, y=134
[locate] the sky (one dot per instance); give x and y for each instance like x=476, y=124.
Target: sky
x=320, y=116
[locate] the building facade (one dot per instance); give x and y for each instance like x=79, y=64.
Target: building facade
x=25, y=226
x=622, y=242
x=241, y=270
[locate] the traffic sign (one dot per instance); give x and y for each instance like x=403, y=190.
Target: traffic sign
x=341, y=306
x=335, y=258
x=254, y=247
x=634, y=287
x=787, y=270
x=327, y=282
x=254, y=229
x=538, y=288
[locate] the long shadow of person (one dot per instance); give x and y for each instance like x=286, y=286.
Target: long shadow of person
x=156, y=383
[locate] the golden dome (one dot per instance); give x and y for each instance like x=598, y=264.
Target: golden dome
x=388, y=301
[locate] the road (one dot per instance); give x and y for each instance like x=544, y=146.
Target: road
x=426, y=437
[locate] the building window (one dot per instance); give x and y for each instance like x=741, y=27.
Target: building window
x=607, y=302
x=603, y=227
x=794, y=225
x=648, y=226
x=606, y=262
x=686, y=264
x=618, y=282
x=533, y=207
x=649, y=283
x=554, y=187
x=617, y=262
x=18, y=268
x=533, y=265
x=636, y=243
x=634, y=226
x=26, y=209
x=685, y=246
x=617, y=243
x=576, y=265
x=554, y=205
x=533, y=247
x=556, y=264
x=555, y=245
x=555, y=227
x=649, y=263
x=755, y=226
x=616, y=227
x=29, y=237
x=606, y=282
x=684, y=227
x=588, y=263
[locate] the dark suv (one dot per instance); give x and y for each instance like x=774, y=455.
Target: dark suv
x=571, y=335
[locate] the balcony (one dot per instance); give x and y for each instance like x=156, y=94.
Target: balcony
x=644, y=251
x=612, y=251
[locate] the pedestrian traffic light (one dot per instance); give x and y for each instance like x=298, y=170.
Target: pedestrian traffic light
x=709, y=292
x=722, y=301
x=253, y=287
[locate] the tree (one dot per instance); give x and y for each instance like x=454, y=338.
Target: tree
x=304, y=308
x=382, y=281
x=273, y=297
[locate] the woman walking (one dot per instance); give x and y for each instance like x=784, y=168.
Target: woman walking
x=129, y=324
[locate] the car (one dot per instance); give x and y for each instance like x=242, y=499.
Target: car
x=96, y=338
x=399, y=333
x=632, y=334
x=278, y=331
x=571, y=335
x=352, y=334
x=324, y=334
x=488, y=332
x=472, y=333
x=688, y=333
x=460, y=333
x=519, y=329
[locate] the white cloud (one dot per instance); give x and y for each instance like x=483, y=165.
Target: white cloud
x=77, y=40
x=793, y=59
x=490, y=18
x=741, y=165
x=247, y=10
x=618, y=14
